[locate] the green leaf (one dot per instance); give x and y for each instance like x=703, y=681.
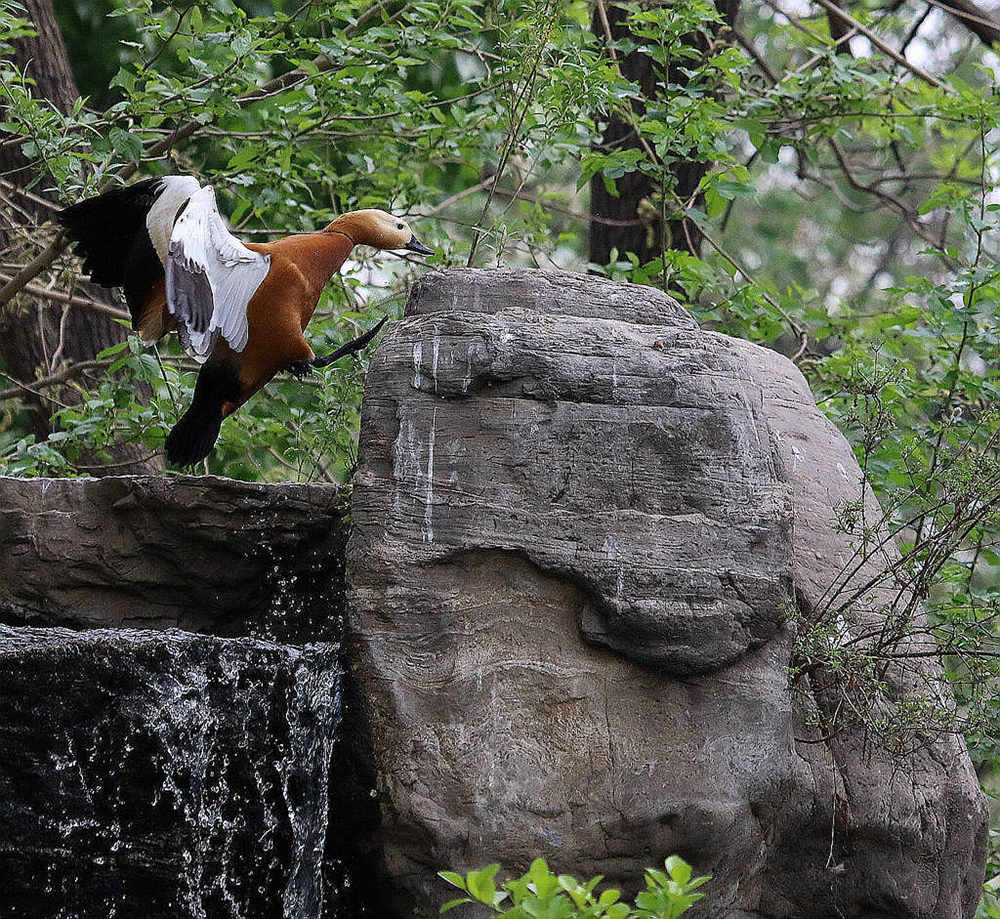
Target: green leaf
x=545, y=883
x=480, y=884
x=679, y=869
x=654, y=877
x=608, y=897
x=125, y=145
x=242, y=42
x=453, y=878
x=114, y=349
x=451, y=904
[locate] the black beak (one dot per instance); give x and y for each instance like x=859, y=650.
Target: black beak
x=415, y=245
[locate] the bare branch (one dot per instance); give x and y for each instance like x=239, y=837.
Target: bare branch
x=67, y=373
x=34, y=268
x=758, y=58
x=835, y=10
x=61, y=297
x=975, y=19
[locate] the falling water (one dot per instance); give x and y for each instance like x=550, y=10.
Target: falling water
x=167, y=774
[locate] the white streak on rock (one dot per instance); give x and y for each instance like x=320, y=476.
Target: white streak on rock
x=417, y=354
x=405, y=459
x=467, y=379
x=434, y=364
x=429, y=495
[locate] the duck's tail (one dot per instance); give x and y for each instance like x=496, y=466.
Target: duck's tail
x=197, y=430
x=103, y=228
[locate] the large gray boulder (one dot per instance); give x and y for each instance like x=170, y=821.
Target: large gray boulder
x=582, y=528
x=584, y=532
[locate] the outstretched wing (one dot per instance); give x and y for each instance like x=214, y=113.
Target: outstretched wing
x=211, y=277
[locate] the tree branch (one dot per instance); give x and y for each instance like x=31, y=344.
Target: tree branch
x=34, y=268
x=835, y=10
x=60, y=296
x=54, y=379
x=975, y=19
x=758, y=58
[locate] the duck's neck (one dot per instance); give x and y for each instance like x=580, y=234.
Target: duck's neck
x=318, y=256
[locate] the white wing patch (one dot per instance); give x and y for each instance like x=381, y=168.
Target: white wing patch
x=174, y=192
x=211, y=277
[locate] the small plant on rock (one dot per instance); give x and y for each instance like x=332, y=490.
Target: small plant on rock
x=540, y=894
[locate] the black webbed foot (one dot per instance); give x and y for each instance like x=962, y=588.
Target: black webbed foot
x=300, y=369
x=355, y=344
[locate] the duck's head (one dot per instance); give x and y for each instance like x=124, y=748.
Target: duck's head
x=378, y=229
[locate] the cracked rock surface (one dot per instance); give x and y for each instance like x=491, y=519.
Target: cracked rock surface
x=580, y=529
x=204, y=554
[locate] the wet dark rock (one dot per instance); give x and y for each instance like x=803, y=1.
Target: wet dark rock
x=163, y=774
x=581, y=527
x=204, y=554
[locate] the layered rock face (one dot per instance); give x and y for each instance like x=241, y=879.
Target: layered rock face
x=204, y=554
x=581, y=528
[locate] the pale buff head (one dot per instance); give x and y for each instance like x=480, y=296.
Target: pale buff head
x=378, y=229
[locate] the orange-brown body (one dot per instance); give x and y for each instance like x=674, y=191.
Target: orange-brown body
x=165, y=234
x=278, y=312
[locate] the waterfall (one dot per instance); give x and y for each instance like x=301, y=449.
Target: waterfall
x=167, y=774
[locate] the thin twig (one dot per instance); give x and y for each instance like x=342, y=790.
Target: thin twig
x=135, y=462
x=758, y=58
x=168, y=39
x=795, y=327
x=72, y=299
x=523, y=100
x=880, y=44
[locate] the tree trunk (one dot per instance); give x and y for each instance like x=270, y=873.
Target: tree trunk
x=36, y=336
x=630, y=222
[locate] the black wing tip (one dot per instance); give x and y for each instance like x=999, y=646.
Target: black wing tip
x=104, y=228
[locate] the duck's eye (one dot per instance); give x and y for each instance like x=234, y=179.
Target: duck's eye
x=399, y=226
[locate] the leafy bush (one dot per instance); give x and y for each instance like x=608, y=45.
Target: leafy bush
x=540, y=894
